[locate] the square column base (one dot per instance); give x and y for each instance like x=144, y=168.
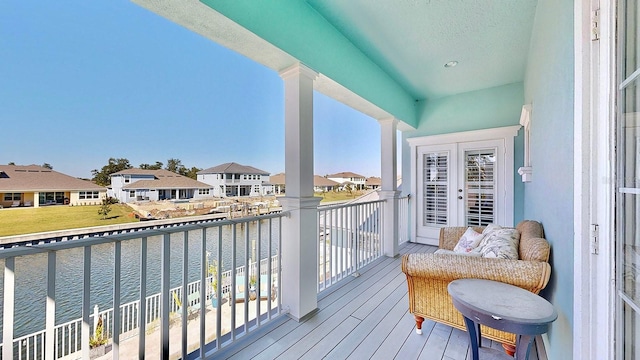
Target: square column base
x=300, y=256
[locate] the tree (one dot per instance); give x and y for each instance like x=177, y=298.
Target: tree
x=348, y=189
x=156, y=166
x=105, y=207
x=192, y=173
x=11, y=163
x=175, y=165
x=102, y=177
x=47, y=166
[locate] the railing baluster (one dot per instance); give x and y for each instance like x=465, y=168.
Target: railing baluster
x=50, y=307
x=204, y=274
x=117, y=266
x=269, y=270
x=258, y=272
x=219, y=292
x=164, y=295
x=233, y=281
x=185, y=293
x=247, y=275
x=143, y=299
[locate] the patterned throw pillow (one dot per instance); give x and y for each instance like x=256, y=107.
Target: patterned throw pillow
x=469, y=241
x=499, y=242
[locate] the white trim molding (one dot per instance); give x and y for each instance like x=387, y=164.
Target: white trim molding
x=593, y=284
x=525, y=120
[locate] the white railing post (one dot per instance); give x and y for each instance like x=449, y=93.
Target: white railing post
x=50, y=307
x=96, y=313
x=388, y=189
x=8, y=307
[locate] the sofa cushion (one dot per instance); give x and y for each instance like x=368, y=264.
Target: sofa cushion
x=451, y=252
x=469, y=241
x=498, y=242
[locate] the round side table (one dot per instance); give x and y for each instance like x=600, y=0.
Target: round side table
x=503, y=307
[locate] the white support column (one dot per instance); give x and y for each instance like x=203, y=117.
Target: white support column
x=300, y=228
x=388, y=189
x=36, y=199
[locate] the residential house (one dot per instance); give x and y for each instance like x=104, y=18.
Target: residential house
x=152, y=185
x=277, y=181
x=34, y=185
x=356, y=181
x=232, y=179
x=372, y=182
x=322, y=184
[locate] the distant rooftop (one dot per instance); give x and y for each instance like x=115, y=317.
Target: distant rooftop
x=163, y=179
x=279, y=179
x=18, y=178
x=345, y=175
x=232, y=168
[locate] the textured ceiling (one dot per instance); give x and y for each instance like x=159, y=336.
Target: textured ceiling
x=412, y=40
x=378, y=57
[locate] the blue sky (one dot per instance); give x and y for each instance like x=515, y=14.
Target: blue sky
x=83, y=81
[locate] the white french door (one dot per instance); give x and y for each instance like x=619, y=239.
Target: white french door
x=468, y=183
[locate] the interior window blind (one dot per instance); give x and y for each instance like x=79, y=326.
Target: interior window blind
x=481, y=187
x=435, y=188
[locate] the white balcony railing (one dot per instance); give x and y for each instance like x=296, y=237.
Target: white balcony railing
x=404, y=233
x=350, y=236
x=183, y=255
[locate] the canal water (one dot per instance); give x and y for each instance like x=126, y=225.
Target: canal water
x=31, y=271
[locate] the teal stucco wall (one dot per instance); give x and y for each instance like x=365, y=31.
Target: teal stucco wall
x=549, y=196
x=484, y=109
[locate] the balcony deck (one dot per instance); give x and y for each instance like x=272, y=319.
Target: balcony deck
x=364, y=317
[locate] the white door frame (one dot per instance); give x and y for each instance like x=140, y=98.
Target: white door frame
x=594, y=179
x=506, y=134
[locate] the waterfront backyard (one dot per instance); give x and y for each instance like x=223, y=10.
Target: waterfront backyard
x=18, y=221
x=28, y=220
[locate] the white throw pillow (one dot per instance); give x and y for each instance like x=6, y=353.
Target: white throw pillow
x=500, y=243
x=469, y=241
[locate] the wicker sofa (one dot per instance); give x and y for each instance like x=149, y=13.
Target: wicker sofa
x=429, y=274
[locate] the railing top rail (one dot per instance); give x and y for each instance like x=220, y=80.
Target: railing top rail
x=337, y=206
x=23, y=250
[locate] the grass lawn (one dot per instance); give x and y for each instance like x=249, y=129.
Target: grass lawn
x=339, y=195
x=20, y=221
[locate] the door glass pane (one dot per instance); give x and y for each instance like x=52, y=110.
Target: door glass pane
x=481, y=187
x=631, y=325
x=435, y=184
x=628, y=182
x=629, y=38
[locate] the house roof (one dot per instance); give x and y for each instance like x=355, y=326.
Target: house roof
x=232, y=168
x=136, y=171
x=345, y=175
x=278, y=179
x=323, y=181
x=19, y=178
x=163, y=179
x=373, y=181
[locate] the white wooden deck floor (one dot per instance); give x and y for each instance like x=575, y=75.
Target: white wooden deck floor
x=363, y=317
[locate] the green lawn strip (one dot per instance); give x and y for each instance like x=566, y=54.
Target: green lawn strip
x=33, y=220
x=339, y=195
